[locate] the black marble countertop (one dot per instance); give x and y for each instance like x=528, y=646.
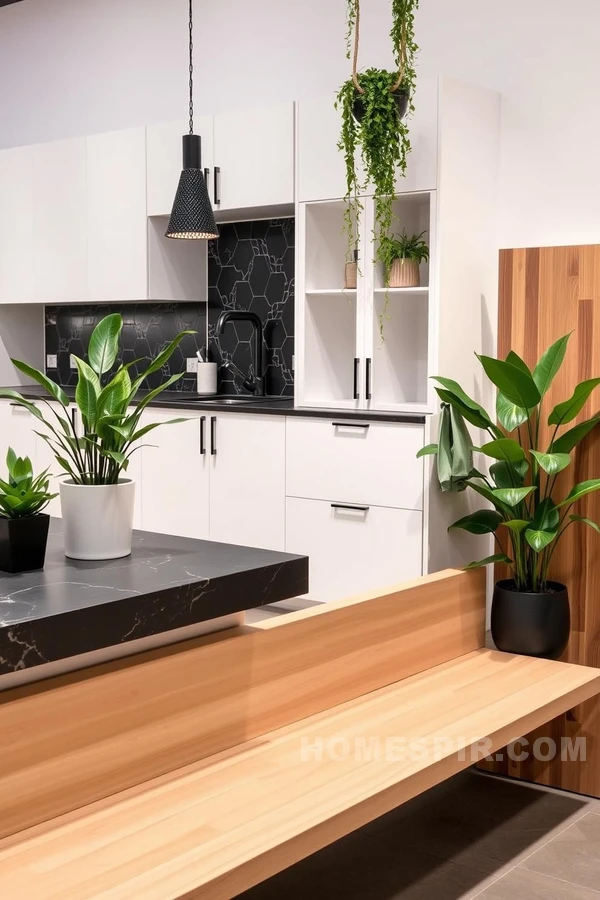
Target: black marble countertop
x=74, y=607
x=262, y=406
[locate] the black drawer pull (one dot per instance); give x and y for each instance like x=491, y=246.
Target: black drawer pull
x=364, y=425
x=213, y=435
x=368, y=379
x=355, y=394
x=206, y=176
x=202, y=447
x=348, y=506
x=217, y=185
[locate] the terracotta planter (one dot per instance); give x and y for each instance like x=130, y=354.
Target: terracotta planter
x=404, y=273
x=350, y=275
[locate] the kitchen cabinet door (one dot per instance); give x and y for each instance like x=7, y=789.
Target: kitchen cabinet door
x=247, y=480
x=164, y=160
x=174, y=482
x=59, y=221
x=16, y=431
x=117, y=267
x=44, y=457
x=321, y=169
x=354, y=548
x=16, y=226
x=254, y=151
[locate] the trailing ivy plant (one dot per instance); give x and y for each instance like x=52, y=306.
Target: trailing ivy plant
x=372, y=104
x=522, y=482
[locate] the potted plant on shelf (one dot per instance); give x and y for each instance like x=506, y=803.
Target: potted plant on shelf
x=402, y=257
x=96, y=496
x=528, y=514
x=23, y=524
x=373, y=104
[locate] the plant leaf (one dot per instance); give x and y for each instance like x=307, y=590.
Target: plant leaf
x=509, y=414
x=516, y=525
x=39, y=377
x=586, y=522
x=454, y=387
x=429, y=450
x=515, y=360
x=551, y=463
x=160, y=360
x=505, y=449
x=547, y=516
x=104, y=343
x=513, y=496
x=549, y=364
x=516, y=385
x=471, y=415
x=580, y=490
x=506, y=475
x=497, y=557
x=87, y=390
x=537, y=540
x=569, y=440
x=484, y=521
x=566, y=411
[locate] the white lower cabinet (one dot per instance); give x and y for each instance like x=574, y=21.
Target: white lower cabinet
x=247, y=480
x=174, y=475
x=353, y=548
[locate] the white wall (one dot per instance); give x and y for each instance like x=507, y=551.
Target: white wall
x=78, y=66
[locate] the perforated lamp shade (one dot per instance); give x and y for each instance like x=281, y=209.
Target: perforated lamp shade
x=192, y=218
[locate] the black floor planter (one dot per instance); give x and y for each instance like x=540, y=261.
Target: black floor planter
x=23, y=543
x=400, y=96
x=531, y=624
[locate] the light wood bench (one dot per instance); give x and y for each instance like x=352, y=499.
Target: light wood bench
x=199, y=770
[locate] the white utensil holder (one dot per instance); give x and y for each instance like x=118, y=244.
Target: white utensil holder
x=207, y=378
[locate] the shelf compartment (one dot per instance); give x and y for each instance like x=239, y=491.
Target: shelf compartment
x=413, y=213
x=326, y=245
x=400, y=362
x=330, y=347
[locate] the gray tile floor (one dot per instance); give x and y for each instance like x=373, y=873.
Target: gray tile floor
x=472, y=836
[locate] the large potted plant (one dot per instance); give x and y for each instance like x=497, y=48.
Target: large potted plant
x=527, y=513
x=96, y=496
x=23, y=523
x=373, y=104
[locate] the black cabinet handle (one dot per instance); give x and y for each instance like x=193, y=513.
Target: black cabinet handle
x=206, y=176
x=368, y=379
x=202, y=447
x=355, y=394
x=217, y=185
x=364, y=425
x=348, y=506
x=73, y=420
x=213, y=435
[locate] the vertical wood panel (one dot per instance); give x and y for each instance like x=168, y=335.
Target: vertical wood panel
x=545, y=293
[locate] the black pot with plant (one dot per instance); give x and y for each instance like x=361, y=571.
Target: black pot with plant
x=23, y=525
x=527, y=450
x=374, y=104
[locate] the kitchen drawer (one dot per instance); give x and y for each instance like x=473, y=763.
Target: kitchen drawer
x=350, y=550
x=368, y=462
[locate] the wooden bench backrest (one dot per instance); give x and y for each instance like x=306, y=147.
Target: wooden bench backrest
x=84, y=736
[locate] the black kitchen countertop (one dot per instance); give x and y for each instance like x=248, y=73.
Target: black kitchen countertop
x=74, y=606
x=260, y=406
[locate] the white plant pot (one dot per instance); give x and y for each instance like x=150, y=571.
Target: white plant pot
x=97, y=519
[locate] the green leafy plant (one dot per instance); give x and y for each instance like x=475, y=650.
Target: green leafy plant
x=110, y=412
x=378, y=132
x=522, y=480
x=402, y=247
x=23, y=495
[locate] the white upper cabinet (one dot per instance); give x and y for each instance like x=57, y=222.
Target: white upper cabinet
x=117, y=266
x=16, y=226
x=321, y=170
x=254, y=153
x=164, y=156
x=59, y=221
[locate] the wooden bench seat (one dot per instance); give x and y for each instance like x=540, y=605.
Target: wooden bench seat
x=227, y=813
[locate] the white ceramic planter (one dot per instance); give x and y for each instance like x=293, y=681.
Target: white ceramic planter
x=97, y=519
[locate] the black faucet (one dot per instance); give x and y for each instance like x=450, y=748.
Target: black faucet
x=255, y=380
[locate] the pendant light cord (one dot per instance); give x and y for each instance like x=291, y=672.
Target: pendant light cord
x=191, y=68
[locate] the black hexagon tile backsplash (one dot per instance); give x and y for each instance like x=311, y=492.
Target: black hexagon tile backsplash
x=251, y=267
x=147, y=329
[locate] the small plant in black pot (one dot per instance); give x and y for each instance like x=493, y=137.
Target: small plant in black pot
x=528, y=450
x=23, y=524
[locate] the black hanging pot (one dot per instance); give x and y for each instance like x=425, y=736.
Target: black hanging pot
x=23, y=543
x=532, y=624
x=401, y=96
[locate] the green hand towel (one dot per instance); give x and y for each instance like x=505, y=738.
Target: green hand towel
x=455, y=457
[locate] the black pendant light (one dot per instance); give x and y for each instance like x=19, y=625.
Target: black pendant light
x=192, y=217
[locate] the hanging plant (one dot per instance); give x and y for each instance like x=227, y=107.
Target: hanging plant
x=373, y=106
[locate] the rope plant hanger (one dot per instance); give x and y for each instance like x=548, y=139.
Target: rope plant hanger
x=373, y=104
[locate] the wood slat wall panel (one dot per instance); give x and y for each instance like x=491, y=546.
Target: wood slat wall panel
x=545, y=293
x=85, y=736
